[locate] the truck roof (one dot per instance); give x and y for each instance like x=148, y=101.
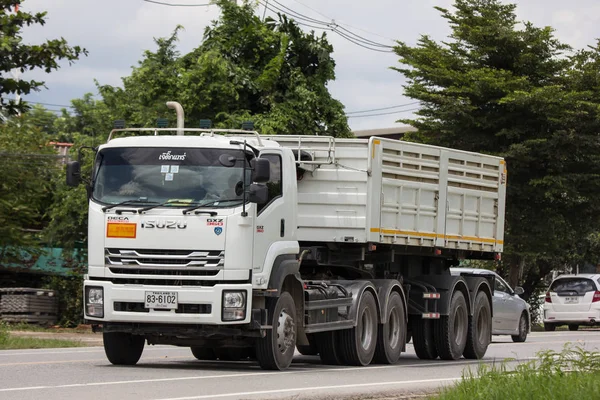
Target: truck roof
x=216, y=141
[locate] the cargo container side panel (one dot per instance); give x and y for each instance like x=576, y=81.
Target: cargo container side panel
x=411, y=183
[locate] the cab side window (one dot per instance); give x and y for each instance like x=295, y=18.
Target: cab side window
x=274, y=185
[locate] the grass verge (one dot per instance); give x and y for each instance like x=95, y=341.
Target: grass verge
x=9, y=342
x=573, y=373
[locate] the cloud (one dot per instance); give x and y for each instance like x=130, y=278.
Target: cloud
x=116, y=33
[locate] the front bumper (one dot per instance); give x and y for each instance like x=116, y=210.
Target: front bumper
x=198, y=305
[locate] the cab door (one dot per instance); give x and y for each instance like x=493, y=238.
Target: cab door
x=276, y=219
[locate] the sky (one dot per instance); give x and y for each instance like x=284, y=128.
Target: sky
x=117, y=32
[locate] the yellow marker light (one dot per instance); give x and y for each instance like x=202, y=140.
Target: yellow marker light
x=121, y=230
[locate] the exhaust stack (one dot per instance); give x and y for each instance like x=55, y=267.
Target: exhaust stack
x=179, y=110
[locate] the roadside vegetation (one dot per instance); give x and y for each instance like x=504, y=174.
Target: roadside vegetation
x=9, y=342
x=573, y=373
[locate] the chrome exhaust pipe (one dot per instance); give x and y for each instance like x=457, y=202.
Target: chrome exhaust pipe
x=179, y=110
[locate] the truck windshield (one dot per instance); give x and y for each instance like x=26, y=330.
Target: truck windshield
x=176, y=176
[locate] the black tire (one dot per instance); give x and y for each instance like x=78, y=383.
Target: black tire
x=451, y=331
x=276, y=350
x=549, y=327
x=203, y=353
x=523, y=329
x=573, y=327
x=310, y=349
x=357, y=345
x=123, y=348
x=391, y=336
x=479, y=334
x=422, y=337
x=328, y=347
x=232, y=353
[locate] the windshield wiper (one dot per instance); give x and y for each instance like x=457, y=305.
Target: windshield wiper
x=128, y=203
x=210, y=203
x=176, y=202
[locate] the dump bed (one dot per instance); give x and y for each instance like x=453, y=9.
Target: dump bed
x=389, y=191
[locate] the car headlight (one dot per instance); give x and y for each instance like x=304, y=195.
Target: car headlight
x=94, y=301
x=234, y=305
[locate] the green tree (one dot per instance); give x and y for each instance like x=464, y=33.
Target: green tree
x=29, y=165
x=515, y=90
x=271, y=72
x=15, y=55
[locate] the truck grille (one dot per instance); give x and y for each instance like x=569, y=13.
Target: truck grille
x=165, y=259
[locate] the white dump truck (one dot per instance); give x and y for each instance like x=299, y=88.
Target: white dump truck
x=237, y=245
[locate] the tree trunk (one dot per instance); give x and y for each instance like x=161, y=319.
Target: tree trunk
x=514, y=272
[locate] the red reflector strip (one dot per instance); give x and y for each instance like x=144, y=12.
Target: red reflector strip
x=431, y=295
x=431, y=315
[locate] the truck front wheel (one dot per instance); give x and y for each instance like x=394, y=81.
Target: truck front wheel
x=123, y=348
x=203, y=353
x=276, y=350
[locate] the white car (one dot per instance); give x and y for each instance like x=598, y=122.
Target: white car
x=572, y=300
x=511, y=313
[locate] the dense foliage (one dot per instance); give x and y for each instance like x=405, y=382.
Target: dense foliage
x=499, y=87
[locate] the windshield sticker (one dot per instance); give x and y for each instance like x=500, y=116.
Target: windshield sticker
x=218, y=230
x=172, y=157
x=174, y=169
x=214, y=221
x=168, y=177
x=164, y=169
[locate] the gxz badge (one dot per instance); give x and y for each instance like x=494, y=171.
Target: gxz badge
x=218, y=230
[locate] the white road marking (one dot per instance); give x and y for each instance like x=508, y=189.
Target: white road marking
x=302, y=389
x=294, y=371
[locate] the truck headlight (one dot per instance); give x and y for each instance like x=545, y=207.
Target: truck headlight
x=234, y=305
x=94, y=301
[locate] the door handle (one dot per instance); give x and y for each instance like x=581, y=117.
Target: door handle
x=282, y=228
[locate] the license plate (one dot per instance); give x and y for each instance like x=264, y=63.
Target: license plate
x=571, y=300
x=161, y=300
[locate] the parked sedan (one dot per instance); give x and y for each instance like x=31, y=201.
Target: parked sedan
x=511, y=313
x=572, y=300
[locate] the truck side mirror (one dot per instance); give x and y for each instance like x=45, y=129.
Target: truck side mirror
x=258, y=194
x=73, y=173
x=261, y=170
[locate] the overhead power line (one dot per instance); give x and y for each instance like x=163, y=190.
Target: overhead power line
x=378, y=114
x=383, y=108
x=176, y=4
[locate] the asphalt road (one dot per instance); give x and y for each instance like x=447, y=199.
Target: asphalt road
x=174, y=374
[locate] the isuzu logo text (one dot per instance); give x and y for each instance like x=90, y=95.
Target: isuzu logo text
x=163, y=224
x=172, y=157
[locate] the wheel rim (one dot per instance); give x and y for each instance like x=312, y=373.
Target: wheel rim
x=459, y=325
x=522, y=326
x=482, y=327
x=394, y=328
x=286, y=332
x=366, y=333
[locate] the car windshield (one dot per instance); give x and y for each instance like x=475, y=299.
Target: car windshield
x=175, y=176
x=579, y=285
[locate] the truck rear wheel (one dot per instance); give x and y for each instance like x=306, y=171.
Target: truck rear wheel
x=422, y=337
x=310, y=349
x=357, y=345
x=203, y=353
x=123, y=348
x=328, y=346
x=276, y=350
x=451, y=330
x=392, y=334
x=480, y=328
